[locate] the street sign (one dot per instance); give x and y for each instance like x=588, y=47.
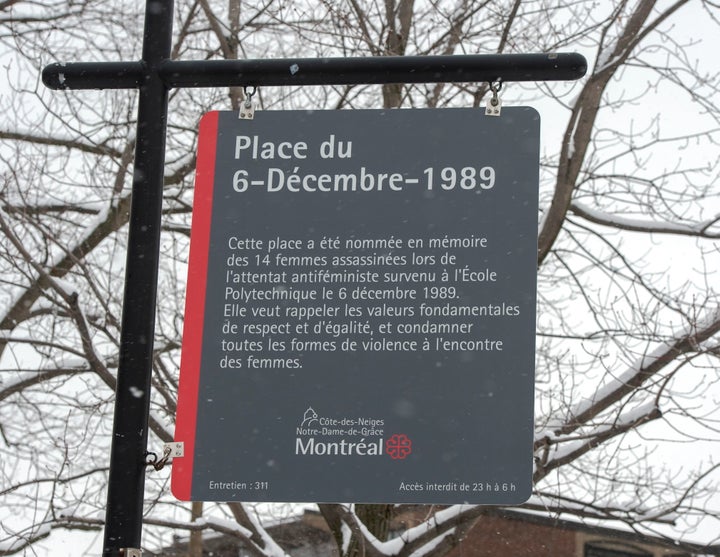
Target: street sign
x=360, y=315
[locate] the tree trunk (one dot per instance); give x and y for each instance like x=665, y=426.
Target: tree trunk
x=195, y=548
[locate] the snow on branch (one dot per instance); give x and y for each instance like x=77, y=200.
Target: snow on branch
x=223, y=526
x=557, y=451
x=416, y=541
x=27, y=380
x=643, y=369
x=64, y=142
x=635, y=28
x=230, y=528
x=63, y=261
x=428, y=548
x=700, y=229
x=14, y=545
x=557, y=504
x=269, y=546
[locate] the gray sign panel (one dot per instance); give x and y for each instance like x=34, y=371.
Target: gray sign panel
x=360, y=320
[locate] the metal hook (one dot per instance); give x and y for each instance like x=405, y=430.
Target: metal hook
x=494, y=104
x=249, y=93
x=152, y=458
x=495, y=88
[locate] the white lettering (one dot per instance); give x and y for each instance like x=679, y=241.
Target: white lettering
x=338, y=448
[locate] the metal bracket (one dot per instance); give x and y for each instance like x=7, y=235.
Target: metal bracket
x=493, y=107
x=177, y=449
x=247, y=109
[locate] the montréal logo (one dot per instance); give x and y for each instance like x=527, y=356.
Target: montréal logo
x=348, y=436
x=399, y=446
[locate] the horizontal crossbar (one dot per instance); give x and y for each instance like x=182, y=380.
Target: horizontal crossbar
x=320, y=71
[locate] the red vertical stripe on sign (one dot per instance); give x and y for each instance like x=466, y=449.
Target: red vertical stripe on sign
x=185, y=425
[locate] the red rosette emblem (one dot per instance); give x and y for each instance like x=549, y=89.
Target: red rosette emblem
x=399, y=446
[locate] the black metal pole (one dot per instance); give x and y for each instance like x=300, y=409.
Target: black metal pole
x=324, y=71
x=375, y=69
x=123, y=526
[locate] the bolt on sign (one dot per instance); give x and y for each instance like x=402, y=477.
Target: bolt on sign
x=360, y=315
